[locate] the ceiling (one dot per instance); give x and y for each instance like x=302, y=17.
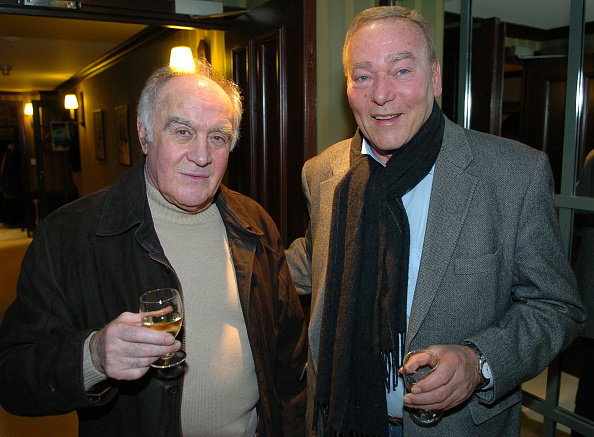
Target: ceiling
x=46, y=52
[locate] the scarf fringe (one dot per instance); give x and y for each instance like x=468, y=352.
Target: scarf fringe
x=393, y=362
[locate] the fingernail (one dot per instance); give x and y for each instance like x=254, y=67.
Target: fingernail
x=415, y=390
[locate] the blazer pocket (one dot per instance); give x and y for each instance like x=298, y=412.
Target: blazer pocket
x=481, y=413
x=481, y=265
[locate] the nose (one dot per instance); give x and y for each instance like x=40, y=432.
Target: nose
x=199, y=152
x=383, y=90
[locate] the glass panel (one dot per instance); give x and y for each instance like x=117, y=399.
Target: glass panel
x=580, y=355
x=585, y=183
x=532, y=422
x=535, y=72
x=519, y=69
x=450, y=61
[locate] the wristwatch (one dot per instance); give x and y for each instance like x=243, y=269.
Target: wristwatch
x=484, y=368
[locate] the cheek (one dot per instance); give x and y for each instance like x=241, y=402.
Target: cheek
x=221, y=157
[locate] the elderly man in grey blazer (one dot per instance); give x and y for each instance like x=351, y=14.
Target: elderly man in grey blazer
x=425, y=235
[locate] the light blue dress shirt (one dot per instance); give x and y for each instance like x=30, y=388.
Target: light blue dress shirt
x=416, y=204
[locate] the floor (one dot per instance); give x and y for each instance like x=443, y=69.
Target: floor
x=64, y=426
x=10, y=233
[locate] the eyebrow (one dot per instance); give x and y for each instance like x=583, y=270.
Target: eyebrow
x=391, y=58
x=178, y=120
x=188, y=123
x=225, y=131
x=400, y=56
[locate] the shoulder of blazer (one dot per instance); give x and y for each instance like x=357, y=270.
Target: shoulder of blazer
x=463, y=146
x=323, y=165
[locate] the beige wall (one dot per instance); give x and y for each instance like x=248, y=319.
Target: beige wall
x=335, y=120
x=121, y=84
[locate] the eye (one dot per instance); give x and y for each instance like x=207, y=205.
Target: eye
x=182, y=132
x=361, y=79
x=219, y=139
x=402, y=72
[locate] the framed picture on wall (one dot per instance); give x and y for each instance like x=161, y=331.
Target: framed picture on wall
x=123, y=134
x=99, y=134
x=61, y=133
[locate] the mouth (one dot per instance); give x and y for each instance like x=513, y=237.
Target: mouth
x=385, y=117
x=196, y=176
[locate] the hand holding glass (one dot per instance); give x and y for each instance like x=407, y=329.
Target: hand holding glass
x=417, y=365
x=163, y=310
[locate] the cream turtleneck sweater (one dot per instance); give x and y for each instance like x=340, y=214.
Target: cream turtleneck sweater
x=220, y=388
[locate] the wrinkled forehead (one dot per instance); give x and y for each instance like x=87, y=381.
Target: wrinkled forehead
x=193, y=90
x=394, y=37
x=187, y=86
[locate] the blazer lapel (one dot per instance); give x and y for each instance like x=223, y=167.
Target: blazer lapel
x=451, y=196
x=339, y=168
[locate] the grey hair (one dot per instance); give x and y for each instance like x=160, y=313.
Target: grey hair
x=385, y=13
x=157, y=80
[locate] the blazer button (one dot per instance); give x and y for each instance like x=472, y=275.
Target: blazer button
x=173, y=389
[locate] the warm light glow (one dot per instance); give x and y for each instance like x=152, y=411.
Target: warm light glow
x=29, y=109
x=182, y=59
x=70, y=101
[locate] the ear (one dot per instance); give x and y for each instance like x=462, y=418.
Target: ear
x=436, y=78
x=142, y=135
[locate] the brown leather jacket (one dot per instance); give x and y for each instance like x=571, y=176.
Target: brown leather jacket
x=89, y=262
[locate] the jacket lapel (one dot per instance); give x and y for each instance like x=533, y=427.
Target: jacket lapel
x=339, y=167
x=451, y=197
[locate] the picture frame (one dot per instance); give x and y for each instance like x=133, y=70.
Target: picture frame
x=61, y=135
x=123, y=134
x=99, y=134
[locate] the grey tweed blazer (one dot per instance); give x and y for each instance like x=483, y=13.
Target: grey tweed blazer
x=492, y=272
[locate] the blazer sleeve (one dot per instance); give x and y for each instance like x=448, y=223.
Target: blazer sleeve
x=546, y=313
x=300, y=252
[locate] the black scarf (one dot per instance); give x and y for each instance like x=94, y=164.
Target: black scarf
x=364, y=319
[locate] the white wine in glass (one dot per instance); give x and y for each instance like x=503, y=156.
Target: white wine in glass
x=162, y=309
x=417, y=365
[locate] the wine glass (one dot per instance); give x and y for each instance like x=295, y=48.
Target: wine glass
x=417, y=365
x=162, y=309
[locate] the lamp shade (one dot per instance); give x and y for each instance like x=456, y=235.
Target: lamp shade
x=70, y=101
x=29, y=109
x=182, y=59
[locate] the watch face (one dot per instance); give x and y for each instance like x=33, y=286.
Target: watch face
x=486, y=370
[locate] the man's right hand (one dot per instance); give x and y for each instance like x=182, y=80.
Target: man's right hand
x=124, y=349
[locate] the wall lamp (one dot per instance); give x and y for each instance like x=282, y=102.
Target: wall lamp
x=29, y=108
x=71, y=102
x=182, y=59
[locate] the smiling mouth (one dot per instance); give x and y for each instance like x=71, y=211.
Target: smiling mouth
x=385, y=117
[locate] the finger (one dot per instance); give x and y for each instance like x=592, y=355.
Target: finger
x=140, y=334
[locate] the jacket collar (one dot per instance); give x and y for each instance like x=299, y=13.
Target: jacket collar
x=232, y=207
x=126, y=206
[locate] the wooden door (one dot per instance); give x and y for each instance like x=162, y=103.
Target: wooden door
x=273, y=58
x=57, y=156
